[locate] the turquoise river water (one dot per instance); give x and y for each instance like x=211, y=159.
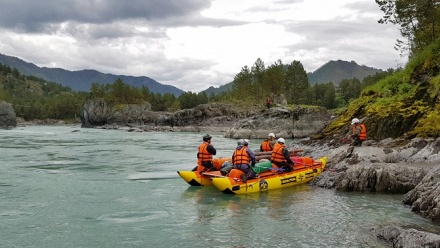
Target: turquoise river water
x=64, y=186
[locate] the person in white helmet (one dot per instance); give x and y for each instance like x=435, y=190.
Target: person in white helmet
x=358, y=133
x=267, y=144
x=281, y=157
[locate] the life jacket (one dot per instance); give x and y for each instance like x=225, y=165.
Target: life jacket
x=241, y=156
x=363, y=133
x=265, y=146
x=268, y=100
x=204, y=155
x=277, y=153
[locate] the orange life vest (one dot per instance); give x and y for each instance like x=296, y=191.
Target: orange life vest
x=265, y=146
x=241, y=156
x=363, y=133
x=277, y=153
x=204, y=155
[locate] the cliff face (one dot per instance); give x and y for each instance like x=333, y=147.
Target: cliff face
x=98, y=112
x=8, y=119
x=236, y=122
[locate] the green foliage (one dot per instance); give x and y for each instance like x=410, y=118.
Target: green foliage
x=296, y=83
x=418, y=21
x=434, y=87
x=35, y=98
x=252, y=85
x=118, y=93
x=350, y=89
x=275, y=75
x=392, y=88
x=403, y=103
x=190, y=100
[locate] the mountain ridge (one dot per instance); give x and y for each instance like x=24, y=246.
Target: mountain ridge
x=82, y=80
x=333, y=71
x=336, y=70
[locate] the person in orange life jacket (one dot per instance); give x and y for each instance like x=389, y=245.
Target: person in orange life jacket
x=268, y=102
x=267, y=144
x=243, y=158
x=206, y=151
x=281, y=157
x=358, y=132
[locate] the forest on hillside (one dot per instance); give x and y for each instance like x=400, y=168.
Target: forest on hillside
x=35, y=98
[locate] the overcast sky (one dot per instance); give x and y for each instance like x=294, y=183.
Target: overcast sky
x=194, y=44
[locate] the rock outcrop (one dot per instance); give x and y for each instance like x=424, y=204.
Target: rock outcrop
x=236, y=122
x=98, y=112
x=384, y=167
x=424, y=199
x=409, y=238
x=284, y=122
x=391, y=166
x=8, y=119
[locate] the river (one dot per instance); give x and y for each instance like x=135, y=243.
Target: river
x=64, y=186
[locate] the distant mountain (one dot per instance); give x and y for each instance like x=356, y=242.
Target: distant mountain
x=216, y=91
x=336, y=71
x=332, y=71
x=82, y=80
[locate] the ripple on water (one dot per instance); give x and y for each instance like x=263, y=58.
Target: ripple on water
x=151, y=176
x=131, y=217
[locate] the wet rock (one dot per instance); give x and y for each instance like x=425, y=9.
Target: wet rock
x=95, y=112
x=424, y=199
x=381, y=178
x=8, y=119
x=409, y=238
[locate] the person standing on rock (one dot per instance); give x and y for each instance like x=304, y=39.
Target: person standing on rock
x=243, y=158
x=358, y=133
x=268, y=102
x=281, y=157
x=268, y=144
x=206, y=152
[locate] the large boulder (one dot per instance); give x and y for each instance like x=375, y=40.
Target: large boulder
x=425, y=197
x=98, y=112
x=8, y=119
x=397, y=236
x=298, y=122
x=95, y=112
x=381, y=178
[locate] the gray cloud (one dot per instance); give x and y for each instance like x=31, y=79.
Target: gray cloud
x=34, y=16
x=135, y=38
x=357, y=37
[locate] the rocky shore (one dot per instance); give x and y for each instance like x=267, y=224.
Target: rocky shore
x=390, y=166
x=235, y=122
